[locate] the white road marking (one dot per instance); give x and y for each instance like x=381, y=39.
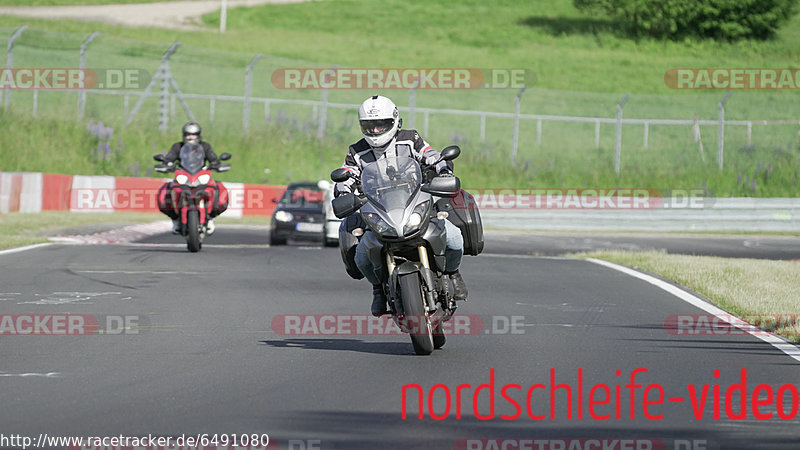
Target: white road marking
x=33, y=374
x=776, y=341
x=22, y=249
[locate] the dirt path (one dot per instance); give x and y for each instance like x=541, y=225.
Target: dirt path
x=183, y=15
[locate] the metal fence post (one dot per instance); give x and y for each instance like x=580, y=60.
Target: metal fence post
x=646, y=133
x=618, y=143
x=82, y=65
x=515, y=136
x=223, y=16
x=412, y=104
x=596, y=133
x=248, y=81
x=721, y=133
x=163, y=101
x=10, y=60
x=322, y=118
x=539, y=133
x=164, y=75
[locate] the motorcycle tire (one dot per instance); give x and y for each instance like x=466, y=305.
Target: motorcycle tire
x=193, y=231
x=416, y=320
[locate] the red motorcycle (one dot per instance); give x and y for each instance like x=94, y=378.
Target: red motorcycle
x=194, y=193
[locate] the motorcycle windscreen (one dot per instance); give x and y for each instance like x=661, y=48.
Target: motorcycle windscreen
x=392, y=183
x=192, y=157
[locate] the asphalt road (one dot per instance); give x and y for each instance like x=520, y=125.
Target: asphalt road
x=205, y=353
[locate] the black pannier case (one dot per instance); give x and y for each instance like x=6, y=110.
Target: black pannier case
x=462, y=211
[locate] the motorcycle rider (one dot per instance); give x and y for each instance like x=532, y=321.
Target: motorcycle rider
x=383, y=137
x=191, y=135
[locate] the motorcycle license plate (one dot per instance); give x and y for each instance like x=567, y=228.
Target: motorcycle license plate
x=309, y=227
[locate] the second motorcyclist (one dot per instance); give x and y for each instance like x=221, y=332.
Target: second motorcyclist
x=191, y=133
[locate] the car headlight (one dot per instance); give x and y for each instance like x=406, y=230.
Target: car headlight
x=416, y=218
x=378, y=225
x=283, y=216
x=181, y=179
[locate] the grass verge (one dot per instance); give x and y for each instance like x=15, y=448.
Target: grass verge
x=747, y=288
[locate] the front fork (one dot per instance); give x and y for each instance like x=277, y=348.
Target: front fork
x=427, y=284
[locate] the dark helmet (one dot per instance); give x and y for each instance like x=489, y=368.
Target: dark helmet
x=191, y=128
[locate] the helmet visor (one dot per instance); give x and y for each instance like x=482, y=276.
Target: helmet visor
x=376, y=127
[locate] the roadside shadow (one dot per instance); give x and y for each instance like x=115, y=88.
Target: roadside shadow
x=349, y=345
x=557, y=26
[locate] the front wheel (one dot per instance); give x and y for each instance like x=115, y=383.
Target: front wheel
x=193, y=231
x=415, y=318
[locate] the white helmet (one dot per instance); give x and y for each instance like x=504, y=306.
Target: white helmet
x=379, y=120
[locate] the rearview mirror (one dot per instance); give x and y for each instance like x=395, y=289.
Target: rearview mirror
x=450, y=153
x=158, y=157
x=340, y=175
x=225, y=156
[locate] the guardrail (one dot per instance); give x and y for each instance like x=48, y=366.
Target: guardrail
x=726, y=214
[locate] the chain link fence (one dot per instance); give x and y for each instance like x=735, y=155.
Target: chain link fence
x=161, y=85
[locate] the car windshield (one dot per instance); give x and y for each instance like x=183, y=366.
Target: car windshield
x=192, y=158
x=391, y=182
x=303, y=197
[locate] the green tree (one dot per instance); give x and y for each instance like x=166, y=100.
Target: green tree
x=714, y=19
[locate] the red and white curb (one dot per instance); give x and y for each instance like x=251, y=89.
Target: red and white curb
x=117, y=236
x=28, y=192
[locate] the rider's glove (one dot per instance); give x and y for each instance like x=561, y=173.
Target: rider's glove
x=431, y=160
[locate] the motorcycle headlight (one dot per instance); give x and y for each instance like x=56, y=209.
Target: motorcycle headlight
x=181, y=179
x=416, y=218
x=378, y=225
x=204, y=178
x=283, y=216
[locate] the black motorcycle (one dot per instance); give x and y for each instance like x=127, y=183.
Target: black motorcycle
x=408, y=239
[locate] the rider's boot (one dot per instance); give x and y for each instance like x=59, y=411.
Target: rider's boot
x=459, y=287
x=176, y=226
x=378, y=301
x=210, y=227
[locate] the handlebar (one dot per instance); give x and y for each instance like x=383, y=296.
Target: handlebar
x=166, y=168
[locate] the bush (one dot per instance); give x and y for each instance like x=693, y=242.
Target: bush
x=716, y=19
